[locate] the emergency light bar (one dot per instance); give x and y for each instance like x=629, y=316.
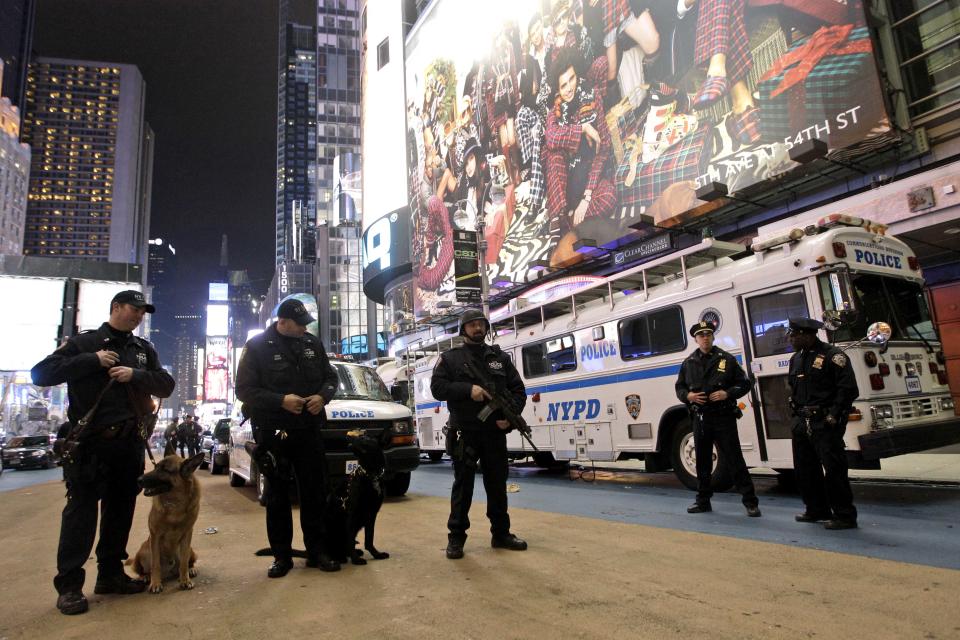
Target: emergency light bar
x=836, y=219
x=768, y=243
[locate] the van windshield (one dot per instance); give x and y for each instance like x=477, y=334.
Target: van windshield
x=879, y=298
x=360, y=383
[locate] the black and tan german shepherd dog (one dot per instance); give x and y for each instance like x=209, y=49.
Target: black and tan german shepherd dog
x=167, y=551
x=355, y=501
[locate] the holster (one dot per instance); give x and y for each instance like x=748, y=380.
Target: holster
x=452, y=439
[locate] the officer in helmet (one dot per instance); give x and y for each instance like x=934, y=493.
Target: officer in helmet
x=483, y=441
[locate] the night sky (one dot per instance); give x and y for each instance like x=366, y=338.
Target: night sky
x=210, y=67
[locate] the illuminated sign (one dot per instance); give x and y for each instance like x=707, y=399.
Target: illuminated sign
x=490, y=133
x=283, y=281
x=386, y=252
x=219, y=292
x=218, y=319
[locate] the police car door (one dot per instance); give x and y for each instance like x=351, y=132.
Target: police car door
x=767, y=315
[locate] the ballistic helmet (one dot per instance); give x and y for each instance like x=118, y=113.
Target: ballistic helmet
x=469, y=316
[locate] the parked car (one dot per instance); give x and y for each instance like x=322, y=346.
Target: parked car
x=361, y=402
x=216, y=448
x=22, y=452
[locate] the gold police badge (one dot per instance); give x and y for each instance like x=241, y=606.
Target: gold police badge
x=633, y=405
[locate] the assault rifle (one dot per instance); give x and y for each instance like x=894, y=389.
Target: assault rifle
x=500, y=401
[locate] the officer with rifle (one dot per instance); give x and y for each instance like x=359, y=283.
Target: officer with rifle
x=485, y=395
x=709, y=383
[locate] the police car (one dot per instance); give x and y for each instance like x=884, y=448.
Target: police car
x=362, y=401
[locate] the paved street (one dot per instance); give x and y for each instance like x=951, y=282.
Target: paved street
x=616, y=557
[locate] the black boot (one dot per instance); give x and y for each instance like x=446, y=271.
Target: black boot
x=279, y=568
x=812, y=516
x=700, y=507
x=508, y=541
x=70, y=603
x=323, y=562
x=454, y=549
x=121, y=584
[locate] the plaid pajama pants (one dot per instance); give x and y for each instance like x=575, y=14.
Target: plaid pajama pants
x=721, y=29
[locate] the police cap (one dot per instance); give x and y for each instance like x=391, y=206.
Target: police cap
x=293, y=309
x=703, y=326
x=805, y=325
x=134, y=299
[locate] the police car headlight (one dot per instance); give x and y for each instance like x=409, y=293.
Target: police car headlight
x=946, y=404
x=403, y=427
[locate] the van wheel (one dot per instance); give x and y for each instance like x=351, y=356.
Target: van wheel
x=684, y=458
x=398, y=484
x=435, y=456
x=236, y=481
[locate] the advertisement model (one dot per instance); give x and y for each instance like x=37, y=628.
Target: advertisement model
x=566, y=121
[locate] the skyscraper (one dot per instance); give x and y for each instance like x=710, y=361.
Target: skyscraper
x=338, y=92
x=296, y=213
x=343, y=326
x=90, y=176
x=14, y=175
x=16, y=37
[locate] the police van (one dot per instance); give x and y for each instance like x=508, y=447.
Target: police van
x=600, y=363
x=361, y=402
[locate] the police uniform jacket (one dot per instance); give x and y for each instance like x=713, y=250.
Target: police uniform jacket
x=714, y=371
x=452, y=383
x=822, y=377
x=77, y=364
x=273, y=366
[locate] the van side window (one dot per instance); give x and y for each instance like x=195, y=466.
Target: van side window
x=548, y=357
x=770, y=317
x=652, y=334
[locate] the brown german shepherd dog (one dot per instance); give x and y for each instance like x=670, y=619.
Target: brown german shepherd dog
x=167, y=553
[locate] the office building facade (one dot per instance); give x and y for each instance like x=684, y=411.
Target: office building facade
x=17, y=18
x=92, y=161
x=14, y=178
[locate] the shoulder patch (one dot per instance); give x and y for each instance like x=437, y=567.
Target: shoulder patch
x=839, y=359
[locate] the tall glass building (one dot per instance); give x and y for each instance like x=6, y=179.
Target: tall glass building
x=296, y=144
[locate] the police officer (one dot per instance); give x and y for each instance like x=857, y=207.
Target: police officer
x=823, y=390
x=111, y=457
x=709, y=383
x=284, y=380
x=483, y=440
x=170, y=436
x=196, y=437
x=185, y=436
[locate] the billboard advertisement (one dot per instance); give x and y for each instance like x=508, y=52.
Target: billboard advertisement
x=30, y=337
x=218, y=320
x=556, y=122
